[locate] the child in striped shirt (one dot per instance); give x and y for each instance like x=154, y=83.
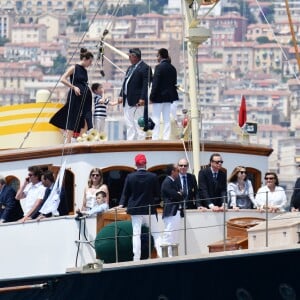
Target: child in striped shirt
x=100, y=107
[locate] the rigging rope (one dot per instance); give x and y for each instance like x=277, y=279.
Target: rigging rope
x=71, y=58
x=277, y=41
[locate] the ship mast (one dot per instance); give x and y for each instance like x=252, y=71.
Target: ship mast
x=195, y=36
x=294, y=40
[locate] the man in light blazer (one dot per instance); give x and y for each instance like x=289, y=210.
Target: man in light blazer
x=134, y=94
x=212, y=185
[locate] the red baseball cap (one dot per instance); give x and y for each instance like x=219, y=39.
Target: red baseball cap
x=140, y=159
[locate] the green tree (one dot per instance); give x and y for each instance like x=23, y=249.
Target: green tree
x=264, y=40
x=59, y=64
x=79, y=21
x=3, y=40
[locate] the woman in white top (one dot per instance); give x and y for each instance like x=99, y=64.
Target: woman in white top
x=95, y=184
x=240, y=190
x=271, y=196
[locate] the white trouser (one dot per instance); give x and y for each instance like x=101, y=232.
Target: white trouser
x=131, y=116
x=171, y=231
x=137, y=222
x=157, y=110
x=99, y=124
x=174, y=110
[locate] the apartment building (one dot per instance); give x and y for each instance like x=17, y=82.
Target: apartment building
x=269, y=57
x=240, y=55
x=225, y=29
x=258, y=30
x=38, y=7
x=13, y=79
x=28, y=33
x=6, y=22
x=280, y=11
x=56, y=25
x=42, y=53
x=119, y=28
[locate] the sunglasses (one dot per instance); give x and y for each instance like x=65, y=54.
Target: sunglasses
x=218, y=161
x=243, y=172
x=30, y=175
x=269, y=178
x=182, y=166
x=97, y=175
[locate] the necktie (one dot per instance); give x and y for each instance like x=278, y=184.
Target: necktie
x=184, y=187
x=215, y=175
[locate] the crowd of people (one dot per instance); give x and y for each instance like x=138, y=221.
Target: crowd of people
x=80, y=113
x=142, y=195
x=179, y=191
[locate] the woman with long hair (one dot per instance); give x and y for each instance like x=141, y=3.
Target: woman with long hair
x=240, y=189
x=95, y=185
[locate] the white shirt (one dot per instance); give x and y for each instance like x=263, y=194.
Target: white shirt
x=33, y=192
x=276, y=199
x=233, y=191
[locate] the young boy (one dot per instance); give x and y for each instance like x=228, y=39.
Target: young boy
x=100, y=107
x=100, y=207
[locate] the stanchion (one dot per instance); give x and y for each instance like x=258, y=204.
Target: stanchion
x=164, y=250
x=174, y=249
x=116, y=234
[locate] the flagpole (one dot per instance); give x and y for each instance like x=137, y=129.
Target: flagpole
x=242, y=118
x=195, y=36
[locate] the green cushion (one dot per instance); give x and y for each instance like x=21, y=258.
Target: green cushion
x=105, y=242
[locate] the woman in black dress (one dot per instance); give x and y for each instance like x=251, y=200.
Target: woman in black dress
x=74, y=115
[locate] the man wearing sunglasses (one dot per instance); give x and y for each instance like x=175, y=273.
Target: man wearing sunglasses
x=188, y=184
x=212, y=185
x=31, y=192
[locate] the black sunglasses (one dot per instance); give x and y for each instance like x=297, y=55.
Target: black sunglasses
x=218, y=161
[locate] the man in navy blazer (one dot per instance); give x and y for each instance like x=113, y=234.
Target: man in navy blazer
x=141, y=190
x=163, y=93
x=188, y=184
x=212, y=185
x=134, y=93
x=10, y=208
x=295, y=199
x=171, y=195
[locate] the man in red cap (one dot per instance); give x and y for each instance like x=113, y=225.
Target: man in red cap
x=141, y=191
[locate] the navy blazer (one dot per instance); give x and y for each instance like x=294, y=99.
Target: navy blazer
x=138, y=84
x=211, y=191
x=141, y=188
x=10, y=208
x=192, y=194
x=295, y=200
x=170, y=196
x=164, y=84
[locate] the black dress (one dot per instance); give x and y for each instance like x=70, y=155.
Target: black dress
x=77, y=108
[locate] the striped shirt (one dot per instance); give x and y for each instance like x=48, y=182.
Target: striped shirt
x=100, y=108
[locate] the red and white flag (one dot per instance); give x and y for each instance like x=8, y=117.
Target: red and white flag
x=242, y=112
